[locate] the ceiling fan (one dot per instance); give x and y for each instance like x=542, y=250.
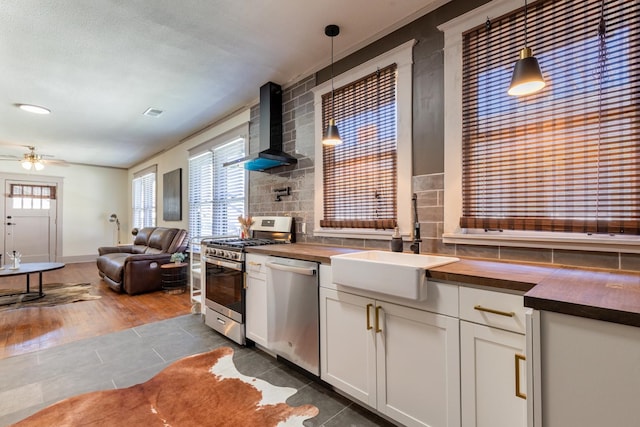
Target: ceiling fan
x=32, y=160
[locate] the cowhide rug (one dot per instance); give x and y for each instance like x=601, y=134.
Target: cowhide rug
x=200, y=390
x=54, y=294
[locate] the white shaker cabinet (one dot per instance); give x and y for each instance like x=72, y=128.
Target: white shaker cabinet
x=492, y=360
x=401, y=361
x=492, y=372
x=256, y=299
x=347, y=344
x=586, y=372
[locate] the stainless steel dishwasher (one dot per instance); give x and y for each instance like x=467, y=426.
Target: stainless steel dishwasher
x=292, y=311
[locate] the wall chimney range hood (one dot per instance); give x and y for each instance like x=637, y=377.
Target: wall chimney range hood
x=271, y=154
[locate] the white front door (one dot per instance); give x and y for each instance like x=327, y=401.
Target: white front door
x=30, y=220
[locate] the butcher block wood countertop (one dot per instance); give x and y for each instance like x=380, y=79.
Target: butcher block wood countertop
x=608, y=295
x=303, y=251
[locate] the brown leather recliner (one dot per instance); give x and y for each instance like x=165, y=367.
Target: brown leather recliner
x=135, y=268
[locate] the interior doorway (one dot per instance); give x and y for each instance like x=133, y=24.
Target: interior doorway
x=31, y=217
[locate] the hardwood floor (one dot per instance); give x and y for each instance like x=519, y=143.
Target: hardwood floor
x=29, y=329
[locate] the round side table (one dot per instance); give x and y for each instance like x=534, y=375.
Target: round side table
x=174, y=277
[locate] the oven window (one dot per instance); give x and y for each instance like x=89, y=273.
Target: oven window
x=225, y=286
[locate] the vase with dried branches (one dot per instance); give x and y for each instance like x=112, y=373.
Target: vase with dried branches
x=245, y=225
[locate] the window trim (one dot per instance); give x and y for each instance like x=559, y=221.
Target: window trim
x=238, y=132
x=453, y=234
x=403, y=57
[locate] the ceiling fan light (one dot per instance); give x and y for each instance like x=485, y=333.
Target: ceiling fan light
x=38, y=165
x=527, y=77
x=332, y=136
x=26, y=164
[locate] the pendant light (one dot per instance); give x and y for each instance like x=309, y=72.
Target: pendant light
x=332, y=136
x=527, y=77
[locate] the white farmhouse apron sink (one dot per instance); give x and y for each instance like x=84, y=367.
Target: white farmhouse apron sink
x=392, y=273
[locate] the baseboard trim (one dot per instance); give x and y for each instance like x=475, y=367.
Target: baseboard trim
x=78, y=258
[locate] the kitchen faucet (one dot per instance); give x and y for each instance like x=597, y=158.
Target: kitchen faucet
x=417, y=242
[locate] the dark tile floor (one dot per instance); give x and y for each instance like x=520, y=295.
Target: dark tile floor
x=30, y=382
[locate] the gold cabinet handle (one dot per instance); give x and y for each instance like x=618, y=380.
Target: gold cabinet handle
x=256, y=264
x=493, y=311
x=520, y=394
x=378, y=329
x=369, y=327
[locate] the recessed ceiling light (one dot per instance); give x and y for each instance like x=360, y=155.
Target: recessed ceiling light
x=34, y=109
x=153, y=112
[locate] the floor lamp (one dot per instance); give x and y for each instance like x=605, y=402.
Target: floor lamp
x=114, y=218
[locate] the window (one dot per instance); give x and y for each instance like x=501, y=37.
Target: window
x=564, y=159
x=144, y=198
x=561, y=161
x=217, y=193
x=360, y=174
x=361, y=184
x=27, y=196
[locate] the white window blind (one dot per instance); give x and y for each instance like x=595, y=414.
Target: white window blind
x=201, y=195
x=144, y=200
x=216, y=193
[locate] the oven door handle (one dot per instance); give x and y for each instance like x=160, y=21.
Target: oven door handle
x=290, y=269
x=223, y=263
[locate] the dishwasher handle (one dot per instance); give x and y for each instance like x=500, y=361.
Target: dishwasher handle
x=298, y=270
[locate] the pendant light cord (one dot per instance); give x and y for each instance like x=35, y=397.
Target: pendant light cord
x=332, y=93
x=525, y=24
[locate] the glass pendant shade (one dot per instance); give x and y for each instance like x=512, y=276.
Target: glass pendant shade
x=332, y=136
x=26, y=164
x=527, y=77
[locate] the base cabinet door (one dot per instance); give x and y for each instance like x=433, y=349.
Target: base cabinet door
x=493, y=379
x=400, y=361
x=256, y=300
x=418, y=366
x=347, y=344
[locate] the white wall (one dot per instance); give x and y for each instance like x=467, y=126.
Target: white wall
x=91, y=194
x=88, y=196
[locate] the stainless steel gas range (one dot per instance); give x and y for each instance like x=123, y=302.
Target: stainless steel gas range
x=223, y=267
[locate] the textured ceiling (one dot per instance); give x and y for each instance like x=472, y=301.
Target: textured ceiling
x=98, y=65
